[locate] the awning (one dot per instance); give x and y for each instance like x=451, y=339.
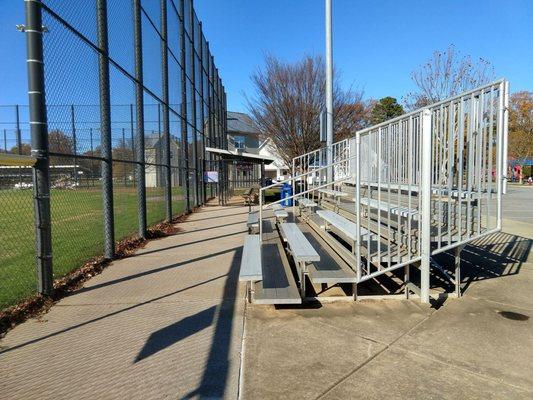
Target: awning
x=240, y=156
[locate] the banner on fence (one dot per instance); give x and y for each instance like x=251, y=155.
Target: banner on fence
x=211, y=177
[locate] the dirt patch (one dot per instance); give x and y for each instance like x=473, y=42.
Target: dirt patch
x=38, y=305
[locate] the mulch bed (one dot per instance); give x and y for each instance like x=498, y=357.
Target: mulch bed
x=39, y=304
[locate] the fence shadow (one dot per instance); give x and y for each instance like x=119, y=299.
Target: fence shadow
x=494, y=256
x=215, y=375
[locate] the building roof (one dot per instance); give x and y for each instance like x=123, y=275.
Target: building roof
x=240, y=156
x=241, y=123
x=152, y=140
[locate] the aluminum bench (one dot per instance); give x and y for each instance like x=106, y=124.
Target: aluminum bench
x=251, y=264
x=279, y=212
x=384, y=206
x=253, y=222
x=301, y=250
x=343, y=225
x=306, y=204
x=278, y=285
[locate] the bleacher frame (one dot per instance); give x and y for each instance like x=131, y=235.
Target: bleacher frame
x=442, y=166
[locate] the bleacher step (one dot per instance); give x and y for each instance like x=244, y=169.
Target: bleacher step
x=278, y=285
x=331, y=269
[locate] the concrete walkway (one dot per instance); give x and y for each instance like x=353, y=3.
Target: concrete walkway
x=166, y=323
x=477, y=347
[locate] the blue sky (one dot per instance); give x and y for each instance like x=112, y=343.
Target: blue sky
x=376, y=43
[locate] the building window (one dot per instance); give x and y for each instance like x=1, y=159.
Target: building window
x=240, y=142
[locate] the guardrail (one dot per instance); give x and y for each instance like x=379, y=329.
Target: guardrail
x=294, y=195
x=438, y=172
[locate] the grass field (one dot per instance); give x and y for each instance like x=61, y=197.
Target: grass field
x=77, y=231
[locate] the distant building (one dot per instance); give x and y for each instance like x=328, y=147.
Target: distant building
x=153, y=153
x=278, y=170
x=243, y=136
x=242, y=133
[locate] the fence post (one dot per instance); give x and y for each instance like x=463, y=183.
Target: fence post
x=184, y=128
x=202, y=114
x=19, y=138
x=140, y=176
x=425, y=193
x=105, y=126
x=74, y=143
x=193, y=108
x=39, y=146
x=166, y=121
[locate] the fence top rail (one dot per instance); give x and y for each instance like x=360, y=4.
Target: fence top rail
x=418, y=111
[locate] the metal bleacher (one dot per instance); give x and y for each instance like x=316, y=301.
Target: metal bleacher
x=392, y=198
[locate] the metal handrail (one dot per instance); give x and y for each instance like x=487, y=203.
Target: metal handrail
x=266, y=206
x=261, y=190
x=430, y=106
x=320, y=149
x=305, y=173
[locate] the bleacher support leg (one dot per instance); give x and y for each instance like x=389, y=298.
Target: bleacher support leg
x=425, y=193
x=406, y=280
x=458, y=250
x=302, y=280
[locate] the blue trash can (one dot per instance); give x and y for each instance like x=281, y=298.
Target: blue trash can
x=286, y=191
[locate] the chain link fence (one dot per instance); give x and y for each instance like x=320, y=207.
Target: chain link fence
x=132, y=99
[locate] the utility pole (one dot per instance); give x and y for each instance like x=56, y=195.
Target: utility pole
x=329, y=90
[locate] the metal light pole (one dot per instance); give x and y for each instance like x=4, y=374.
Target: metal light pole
x=329, y=90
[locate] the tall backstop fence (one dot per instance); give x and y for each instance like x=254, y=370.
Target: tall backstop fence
x=124, y=97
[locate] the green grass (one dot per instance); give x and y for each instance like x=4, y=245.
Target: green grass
x=77, y=231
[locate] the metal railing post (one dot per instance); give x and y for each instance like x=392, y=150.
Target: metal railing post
x=140, y=173
x=357, y=205
x=425, y=193
x=166, y=118
x=105, y=130
x=293, y=183
x=39, y=146
x=261, y=215
x=501, y=169
x=505, y=86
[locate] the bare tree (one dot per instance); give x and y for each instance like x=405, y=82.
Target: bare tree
x=288, y=102
x=447, y=74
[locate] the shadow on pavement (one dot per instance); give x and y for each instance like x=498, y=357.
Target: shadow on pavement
x=494, y=256
x=172, y=334
x=215, y=375
x=132, y=307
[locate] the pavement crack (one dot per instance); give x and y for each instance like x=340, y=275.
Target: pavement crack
x=368, y=360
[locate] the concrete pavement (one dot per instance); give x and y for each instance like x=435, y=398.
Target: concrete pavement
x=166, y=323
x=477, y=347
